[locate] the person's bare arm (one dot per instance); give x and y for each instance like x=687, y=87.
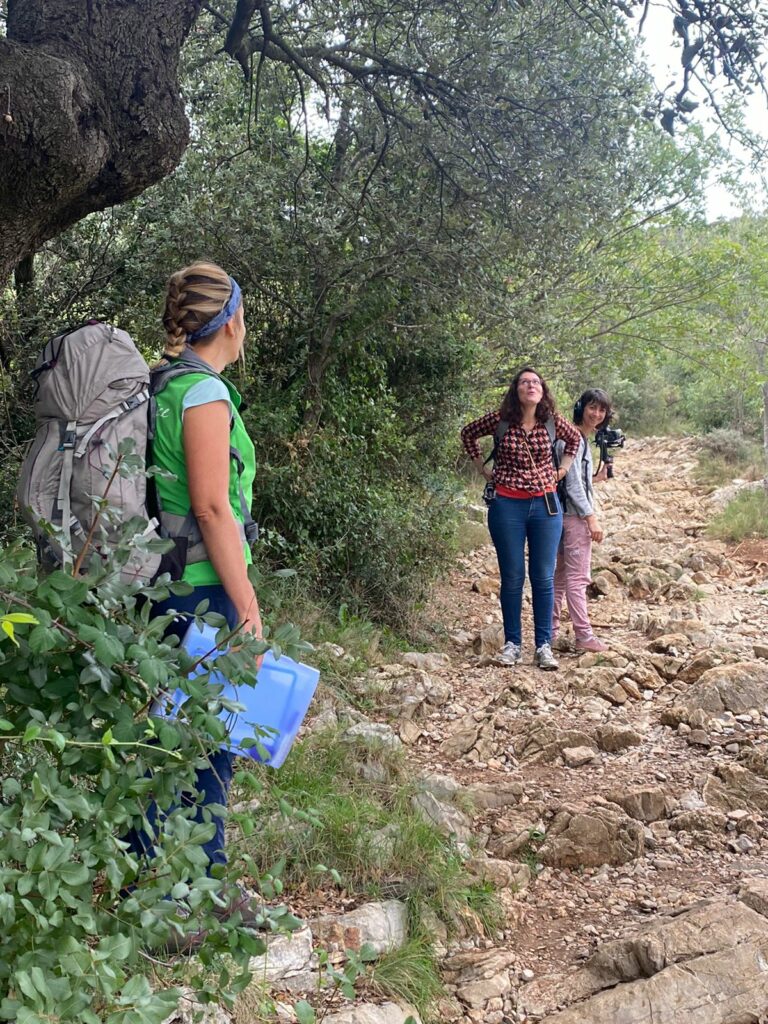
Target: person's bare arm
x=206, y=451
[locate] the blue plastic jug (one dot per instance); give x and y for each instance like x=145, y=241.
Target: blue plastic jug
x=279, y=700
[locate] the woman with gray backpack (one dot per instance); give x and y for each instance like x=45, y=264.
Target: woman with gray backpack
x=200, y=438
x=97, y=400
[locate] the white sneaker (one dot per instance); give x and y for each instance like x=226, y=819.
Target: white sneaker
x=510, y=654
x=545, y=659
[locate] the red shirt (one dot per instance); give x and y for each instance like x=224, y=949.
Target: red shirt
x=513, y=468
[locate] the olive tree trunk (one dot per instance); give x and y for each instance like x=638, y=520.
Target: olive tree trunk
x=90, y=110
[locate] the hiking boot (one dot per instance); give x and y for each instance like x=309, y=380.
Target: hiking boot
x=510, y=654
x=253, y=915
x=251, y=910
x=545, y=659
x=590, y=643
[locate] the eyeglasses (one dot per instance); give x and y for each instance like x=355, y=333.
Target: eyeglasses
x=529, y=382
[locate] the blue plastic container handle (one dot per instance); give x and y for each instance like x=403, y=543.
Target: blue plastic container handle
x=278, y=701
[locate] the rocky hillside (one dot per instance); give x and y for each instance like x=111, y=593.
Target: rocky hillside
x=619, y=806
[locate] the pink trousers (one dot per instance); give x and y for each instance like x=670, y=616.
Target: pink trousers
x=572, y=576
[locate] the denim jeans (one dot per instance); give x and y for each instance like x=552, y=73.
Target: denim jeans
x=211, y=783
x=512, y=522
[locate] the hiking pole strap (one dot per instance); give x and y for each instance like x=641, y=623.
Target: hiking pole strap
x=64, y=496
x=251, y=528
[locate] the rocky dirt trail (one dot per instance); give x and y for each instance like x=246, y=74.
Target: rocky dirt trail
x=618, y=805
x=621, y=803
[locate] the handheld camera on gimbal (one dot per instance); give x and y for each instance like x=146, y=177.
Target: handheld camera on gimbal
x=605, y=438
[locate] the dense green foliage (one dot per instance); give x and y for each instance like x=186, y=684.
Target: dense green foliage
x=376, y=255
x=400, y=254
x=80, y=665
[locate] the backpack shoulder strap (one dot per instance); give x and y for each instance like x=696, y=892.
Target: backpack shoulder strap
x=551, y=429
x=187, y=527
x=501, y=428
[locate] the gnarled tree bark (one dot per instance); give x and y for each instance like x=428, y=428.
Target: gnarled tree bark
x=95, y=112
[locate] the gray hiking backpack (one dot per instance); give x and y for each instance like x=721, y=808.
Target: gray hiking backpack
x=93, y=391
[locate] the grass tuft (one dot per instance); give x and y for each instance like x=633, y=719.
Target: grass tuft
x=409, y=973
x=348, y=807
x=744, y=517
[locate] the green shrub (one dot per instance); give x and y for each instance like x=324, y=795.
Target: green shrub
x=732, y=446
x=727, y=455
x=744, y=517
x=80, y=664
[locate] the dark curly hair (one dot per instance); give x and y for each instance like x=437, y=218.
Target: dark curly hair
x=512, y=411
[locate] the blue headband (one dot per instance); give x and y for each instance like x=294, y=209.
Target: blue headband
x=226, y=314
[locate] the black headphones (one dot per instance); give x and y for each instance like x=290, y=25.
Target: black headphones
x=578, y=411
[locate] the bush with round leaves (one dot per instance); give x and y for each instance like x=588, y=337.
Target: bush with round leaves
x=81, y=919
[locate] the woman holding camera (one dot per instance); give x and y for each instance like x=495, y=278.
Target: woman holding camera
x=525, y=508
x=580, y=524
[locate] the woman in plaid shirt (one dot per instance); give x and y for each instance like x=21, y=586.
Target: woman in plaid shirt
x=523, y=472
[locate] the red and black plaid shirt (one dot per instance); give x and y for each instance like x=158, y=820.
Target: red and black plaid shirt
x=513, y=467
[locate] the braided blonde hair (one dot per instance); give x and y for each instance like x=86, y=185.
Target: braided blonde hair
x=195, y=295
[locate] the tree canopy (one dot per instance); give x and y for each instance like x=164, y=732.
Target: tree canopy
x=94, y=113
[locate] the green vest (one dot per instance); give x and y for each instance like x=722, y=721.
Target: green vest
x=168, y=453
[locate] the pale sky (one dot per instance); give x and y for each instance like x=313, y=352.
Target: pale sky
x=663, y=57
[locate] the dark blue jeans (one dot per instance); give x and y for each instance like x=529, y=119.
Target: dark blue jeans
x=512, y=522
x=211, y=783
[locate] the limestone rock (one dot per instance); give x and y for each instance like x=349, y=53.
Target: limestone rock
x=489, y=641
x=445, y=817
x=707, y=819
x=646, y=804
x=286, y=955
x=575, y=757
x=720, y=988
x=754, y=894
x=492, y=795
x=373, y=1013
x=694, y=945
x=615, y=738
x=737, y=688
x=591, y=836
x=384, y=926
x=733, y=787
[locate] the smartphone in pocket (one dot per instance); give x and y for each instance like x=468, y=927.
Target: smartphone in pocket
x=550, y=501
